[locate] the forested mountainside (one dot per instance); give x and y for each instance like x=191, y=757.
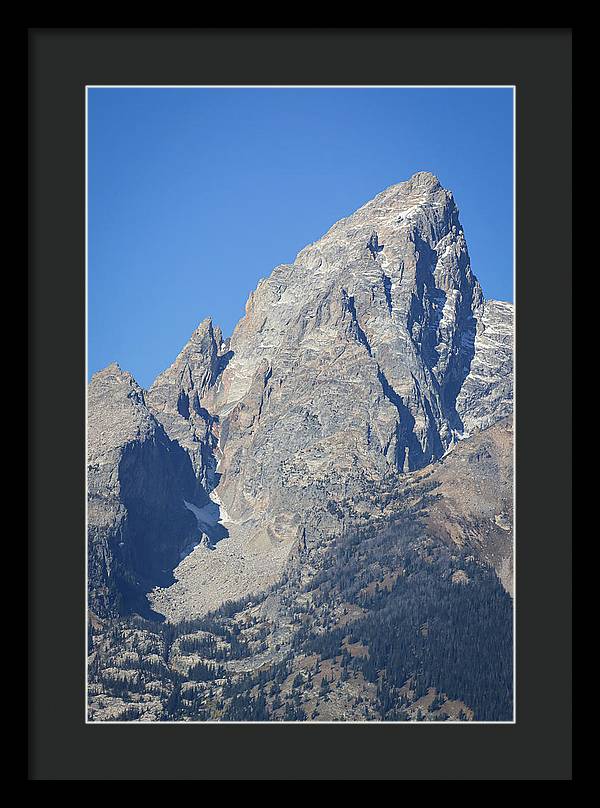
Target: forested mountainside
x=312, y=520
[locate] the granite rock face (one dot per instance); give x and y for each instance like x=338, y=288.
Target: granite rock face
x=363, y=342
x=487, y=392
x=138, y=478
x=374, y=353
x=349, y=362
x=175, y=398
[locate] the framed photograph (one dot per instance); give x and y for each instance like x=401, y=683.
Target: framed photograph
x=295, y=468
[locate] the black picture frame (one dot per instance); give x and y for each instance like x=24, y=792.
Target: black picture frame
x=61, y=63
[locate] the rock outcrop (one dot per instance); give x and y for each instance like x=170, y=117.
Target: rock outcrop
x=176, y=394
x=487, y=393
x=474, y=504
x=138, y=478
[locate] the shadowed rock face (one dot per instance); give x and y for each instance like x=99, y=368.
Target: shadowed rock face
x=374, y=352
x=175, y=397
x=138, y=526
x=487, y=392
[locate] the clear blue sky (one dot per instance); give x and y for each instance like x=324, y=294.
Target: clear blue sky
x=196, y=194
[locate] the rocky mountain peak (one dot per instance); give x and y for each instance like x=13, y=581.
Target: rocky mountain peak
x=321, y=505
x=399, y=270
x=373, y=353
x=206, y=334
x=355, y=361
x=425, y=179
x=116, y=409
x=176, y=395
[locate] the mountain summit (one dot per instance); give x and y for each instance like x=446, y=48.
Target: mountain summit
x=372, y=354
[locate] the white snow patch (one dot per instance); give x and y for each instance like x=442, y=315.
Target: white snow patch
x=223, y=515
